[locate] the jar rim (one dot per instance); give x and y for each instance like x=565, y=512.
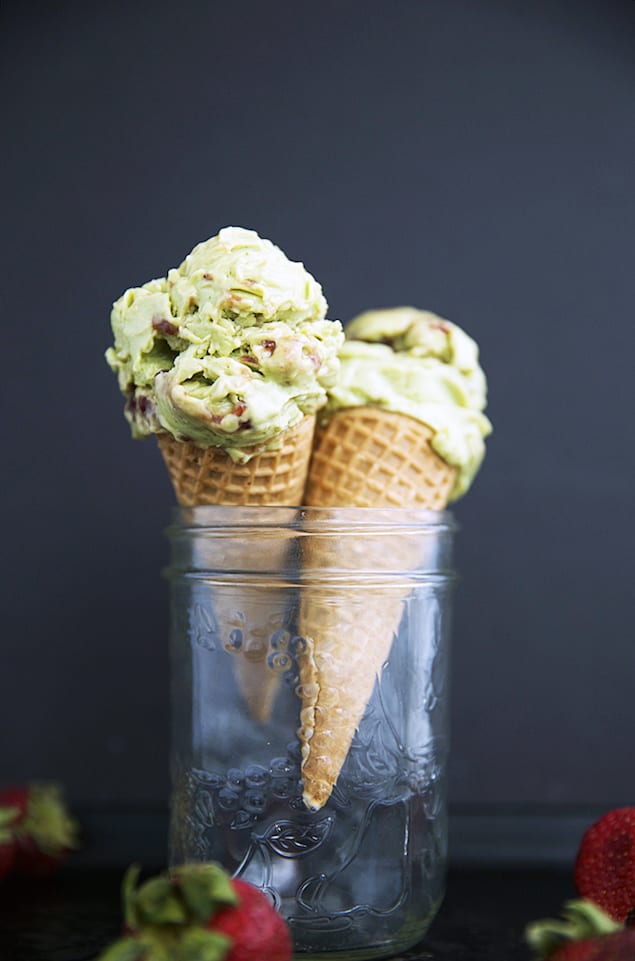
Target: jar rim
x=319, y=519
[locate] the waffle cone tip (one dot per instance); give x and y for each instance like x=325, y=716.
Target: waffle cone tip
x=270, y=478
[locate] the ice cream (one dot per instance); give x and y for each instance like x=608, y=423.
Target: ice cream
x=403, y=427
x=229, y=350
x=226, y=360
x=413, y=362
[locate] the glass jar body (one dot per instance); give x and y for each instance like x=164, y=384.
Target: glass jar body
x=309, y=714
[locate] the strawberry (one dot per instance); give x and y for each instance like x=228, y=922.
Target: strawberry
x=605, y=865
x=8, y=816
x=584, y=933
x=610, y=947
x=255, y=929
x=43, y=831
x=198, y=913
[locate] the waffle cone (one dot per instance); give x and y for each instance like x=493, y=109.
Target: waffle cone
x=208, y=476
x=368, y=457
x=364, y=457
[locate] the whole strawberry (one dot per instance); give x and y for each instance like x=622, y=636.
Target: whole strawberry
x=583, y=928
x=255, y=929
x=610, y=947
x=605, y=865
x=198, y=913
x=43, y=831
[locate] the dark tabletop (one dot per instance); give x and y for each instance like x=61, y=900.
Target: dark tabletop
x=72, y=917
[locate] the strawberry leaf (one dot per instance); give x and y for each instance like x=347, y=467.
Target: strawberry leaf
x=205, y=888
x=200, y=945
x=184, y=944
x=126, y=949
x=48, y=822
x=196, y=895
x=158, y=902
x=7, y=817
x=128, y=891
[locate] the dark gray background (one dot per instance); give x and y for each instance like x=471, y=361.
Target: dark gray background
x=474, y=157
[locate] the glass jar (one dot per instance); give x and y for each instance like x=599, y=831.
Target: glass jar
x=309, y=714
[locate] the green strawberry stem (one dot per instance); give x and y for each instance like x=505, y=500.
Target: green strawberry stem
x=580, y=919
x=191, y=894
x=182, y=944
x=7, y=817
x=205, y=889
x=47, y=821
x=167, y=917
x=126, y=949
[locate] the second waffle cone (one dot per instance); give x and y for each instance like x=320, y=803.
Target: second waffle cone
x=364, y=457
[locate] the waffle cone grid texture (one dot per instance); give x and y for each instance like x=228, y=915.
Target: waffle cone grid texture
x=205, y=476
x=367, y=457
x=348, y=639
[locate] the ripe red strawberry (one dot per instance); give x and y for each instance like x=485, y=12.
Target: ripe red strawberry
x=605, y=865
x=43, y=831
x=15, y=797
x=198, y=913
x=255, y=928
x=610, y=947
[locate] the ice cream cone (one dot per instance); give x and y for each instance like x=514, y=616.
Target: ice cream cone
x=208, y=476
x=229, y=349
x=369, y=457
x=204, y=476
x=364, y=457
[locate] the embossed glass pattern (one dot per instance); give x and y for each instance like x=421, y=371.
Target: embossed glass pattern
x=293, y=630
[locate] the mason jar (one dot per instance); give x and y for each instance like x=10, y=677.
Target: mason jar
x=309, y=652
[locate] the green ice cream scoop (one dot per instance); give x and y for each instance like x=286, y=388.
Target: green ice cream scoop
x=228, y=350
x=413, y=362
